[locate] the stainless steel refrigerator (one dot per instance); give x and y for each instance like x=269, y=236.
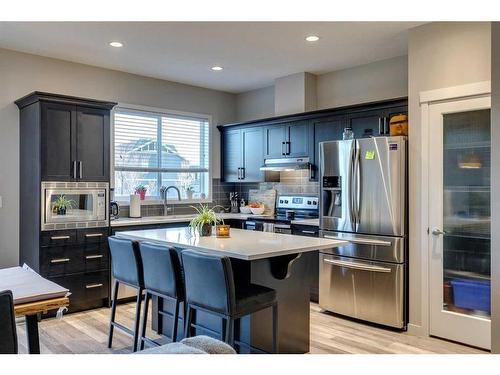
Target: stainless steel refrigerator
x=363, y=199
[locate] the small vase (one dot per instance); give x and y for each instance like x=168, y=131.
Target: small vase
x=189, y=195
x=206, y=230
x=61, y=211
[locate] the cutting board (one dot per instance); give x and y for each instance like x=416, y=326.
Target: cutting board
x=268, y=197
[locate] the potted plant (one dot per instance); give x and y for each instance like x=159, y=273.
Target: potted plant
x=205, y=219
x=141, y=191
x=189, y=192
x=61, y=204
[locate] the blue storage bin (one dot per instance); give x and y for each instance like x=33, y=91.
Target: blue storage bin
x=472, y=294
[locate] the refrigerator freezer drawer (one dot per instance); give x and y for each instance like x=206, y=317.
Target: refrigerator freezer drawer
x=377, y=248
x=372, y=291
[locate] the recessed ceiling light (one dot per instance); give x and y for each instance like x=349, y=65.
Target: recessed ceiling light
x=116, y=44
x=312, y=38
x=217, y=68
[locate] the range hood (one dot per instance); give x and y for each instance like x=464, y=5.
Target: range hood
x=285, y=164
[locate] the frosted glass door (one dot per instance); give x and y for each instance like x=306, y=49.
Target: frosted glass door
x=459, y=214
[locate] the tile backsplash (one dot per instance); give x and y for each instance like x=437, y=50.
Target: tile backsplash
x=291, y=182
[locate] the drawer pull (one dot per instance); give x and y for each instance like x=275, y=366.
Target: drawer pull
x=60, y=260
x=59, y=238
x=357, y=266
x=309, y=232
x=94, y=256
x=89, y=235
x=92, y=286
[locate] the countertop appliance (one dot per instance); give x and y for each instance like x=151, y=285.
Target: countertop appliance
x=363, y=199
x=114, y=210
x=73, y=205
x=288, y=208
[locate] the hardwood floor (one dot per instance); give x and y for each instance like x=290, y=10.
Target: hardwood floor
x=87, y=332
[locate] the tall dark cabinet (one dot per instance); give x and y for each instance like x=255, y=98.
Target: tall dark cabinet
x=64, y=139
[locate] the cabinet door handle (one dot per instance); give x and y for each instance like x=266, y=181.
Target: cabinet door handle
x=288, y=148
x=60, y=260
x=93, y=235
x=74, y=169
x=97, y=256
x=92, y=286
x=308, y=231
x=282, y=152
x=357, y=266
x=243, y=173
x=239, y=178
x=311, y=175
x=55, y=238
x=80, y=169
x=380, y=126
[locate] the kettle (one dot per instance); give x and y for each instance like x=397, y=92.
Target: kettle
x=114, y=210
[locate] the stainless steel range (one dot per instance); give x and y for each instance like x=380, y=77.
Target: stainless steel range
x=364, y=200
x=288, y=208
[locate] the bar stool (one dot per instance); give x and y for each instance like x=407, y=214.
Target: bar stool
x=162, y=278
x=8, y=340
x=210, y=287
x=126, y=267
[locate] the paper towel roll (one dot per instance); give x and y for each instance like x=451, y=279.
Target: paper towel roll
x=135, y=206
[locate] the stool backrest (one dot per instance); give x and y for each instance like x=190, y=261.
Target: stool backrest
x=126, y=262
x=8, y=335
x=209, y=281
x=161, y=269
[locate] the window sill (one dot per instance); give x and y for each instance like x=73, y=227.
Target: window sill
x=155, y=202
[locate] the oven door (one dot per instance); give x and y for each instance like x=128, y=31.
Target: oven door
x=74, y=207
x=367, y=290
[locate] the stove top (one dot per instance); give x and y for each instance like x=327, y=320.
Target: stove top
x=301, y=207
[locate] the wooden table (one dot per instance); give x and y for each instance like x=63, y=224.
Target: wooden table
x=33, y=295
x=31, y=310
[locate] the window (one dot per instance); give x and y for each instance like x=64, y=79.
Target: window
x=161, y=149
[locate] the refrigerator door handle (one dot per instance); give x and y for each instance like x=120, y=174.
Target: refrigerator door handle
x=357, y=177
x=357, y=266
x=350, y=187
x=360, y=241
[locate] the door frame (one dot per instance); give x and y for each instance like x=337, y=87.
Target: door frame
x=426, y=99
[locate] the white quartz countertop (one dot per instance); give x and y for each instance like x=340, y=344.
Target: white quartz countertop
x=167, y=219
x=243, y=244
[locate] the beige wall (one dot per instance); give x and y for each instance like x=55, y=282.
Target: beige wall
x=21, y=74
x=255, y=104
x=439, y=55
x=386, y=79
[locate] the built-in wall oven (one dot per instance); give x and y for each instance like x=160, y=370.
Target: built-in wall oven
x=69, y=205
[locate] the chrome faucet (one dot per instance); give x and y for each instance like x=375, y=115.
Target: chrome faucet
x=163, y=194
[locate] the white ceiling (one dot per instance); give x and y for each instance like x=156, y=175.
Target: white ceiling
x=253, y=54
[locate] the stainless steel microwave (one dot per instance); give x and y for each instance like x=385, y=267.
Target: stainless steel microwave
x=71, y=205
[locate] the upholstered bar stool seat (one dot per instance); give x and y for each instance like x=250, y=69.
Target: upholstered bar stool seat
x=162, y=278
x=126, y=266
x=210, y=286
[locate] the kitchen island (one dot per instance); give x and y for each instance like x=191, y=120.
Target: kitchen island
x=280, y=261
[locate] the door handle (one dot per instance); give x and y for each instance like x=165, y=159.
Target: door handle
x=380, y=126
x=74, y=169
x=282, y=152
x=59, y=238
x=360, y=241
x=357, y=177
x=94, y=256
x=308, y=231
x=60, y=260
x=288, y=148
x=438, y=232
x=357, y=266
x=80, y=169
x=90, y=235
x=92, y=286
x=243, y=173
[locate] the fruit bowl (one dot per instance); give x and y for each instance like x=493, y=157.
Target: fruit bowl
x=245, y=210
x=257, y=210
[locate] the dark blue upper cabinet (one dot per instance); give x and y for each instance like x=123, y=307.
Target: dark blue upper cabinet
x=242, y=151
x=298, y=143
x=275, y=137
x=232, y=152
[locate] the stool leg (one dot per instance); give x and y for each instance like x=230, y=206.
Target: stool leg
x=137, y=318
x=275, y=329
x=175, y=323
x=230, y=331
x=113, y=313
x=144, y=320
x=189, y=315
